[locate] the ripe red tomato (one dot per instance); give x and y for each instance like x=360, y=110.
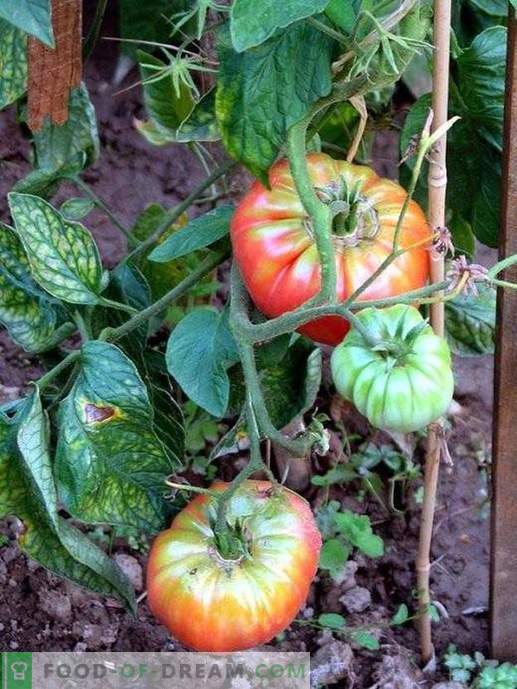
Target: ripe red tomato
x=210, y=603
x=276, y=252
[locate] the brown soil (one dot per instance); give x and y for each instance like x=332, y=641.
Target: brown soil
x=39, y=612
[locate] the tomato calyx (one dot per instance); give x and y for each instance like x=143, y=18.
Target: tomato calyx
x=398, y=347
x=354, y=219
x=231, y=545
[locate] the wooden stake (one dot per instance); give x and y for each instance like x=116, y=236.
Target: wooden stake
x=437, y=182
x=503, y=575
x=53, y=72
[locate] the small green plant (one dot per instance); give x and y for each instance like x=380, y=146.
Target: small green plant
x=479, y=673
x=342, y=531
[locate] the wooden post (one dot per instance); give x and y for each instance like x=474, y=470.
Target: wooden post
x=53, y=72
x=503, y=585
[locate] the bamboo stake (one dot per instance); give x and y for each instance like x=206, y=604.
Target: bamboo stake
x=437, y=181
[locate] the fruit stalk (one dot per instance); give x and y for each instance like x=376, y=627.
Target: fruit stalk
x=437, y=184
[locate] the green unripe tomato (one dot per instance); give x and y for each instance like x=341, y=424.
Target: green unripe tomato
x=404, y=383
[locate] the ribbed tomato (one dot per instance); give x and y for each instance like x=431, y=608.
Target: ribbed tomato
x=403, y=384
x=212, y=603
x=276, y=252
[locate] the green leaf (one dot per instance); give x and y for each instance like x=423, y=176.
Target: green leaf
x=110, y=465
x=289, y=394
x=357, y=529
x=494, y=8
x=401, y=615
x=462, y=235
x=332, y=620
x=341, y=473
x=343, y=14
x=63, y=150
x=27, y=490
x=199, y=352
x=334, y=555
x=262, y=92
x=33, y=320
x=289, y=383
x=13, y=63
x=365, y=640
x=482, y=69
x=146, y=21
x=31, y=16
x=165, y=105
x=469, y=156
x=63, y=256
x=252, y=23
x=76, y=208
x=200, y=124
x=470, y=322
x=197, y=234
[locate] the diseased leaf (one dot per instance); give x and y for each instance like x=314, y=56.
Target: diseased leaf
x=262, y=92
x=13, y=63
x=470, y=322
x=252, y=23
x=63, y=256
x=199, y=352
x=31, y=16
x=110, y=465
x=197, y=234
x=62, y=151
x=33, y=320
x=27, y=490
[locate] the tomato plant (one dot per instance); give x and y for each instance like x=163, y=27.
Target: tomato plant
x=236, y=594
x=205, y=311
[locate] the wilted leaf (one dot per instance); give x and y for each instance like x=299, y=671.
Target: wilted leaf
x=63, y=256
x=110, y=464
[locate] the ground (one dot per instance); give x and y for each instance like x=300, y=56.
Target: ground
x=39, y=612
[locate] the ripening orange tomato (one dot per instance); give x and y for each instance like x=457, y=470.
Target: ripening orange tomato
x=212, y=602
x=275, y=250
